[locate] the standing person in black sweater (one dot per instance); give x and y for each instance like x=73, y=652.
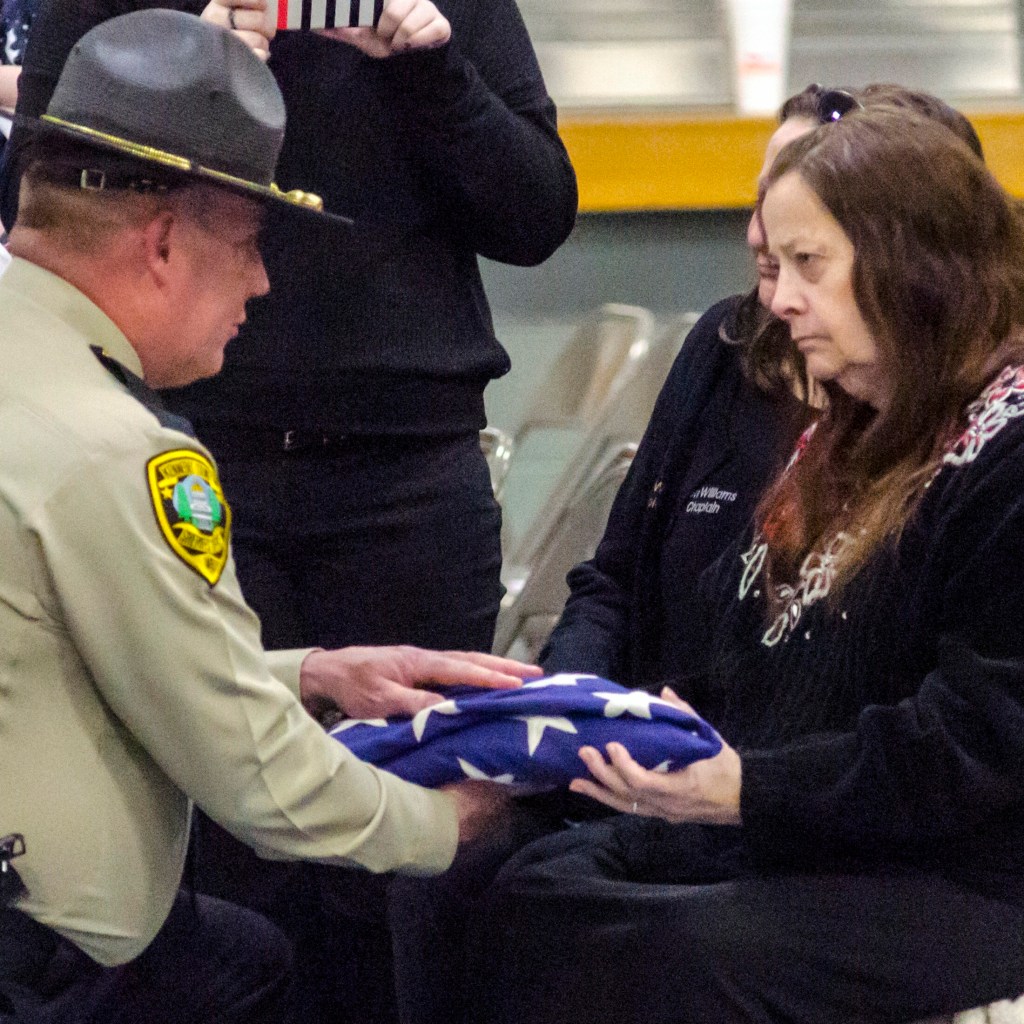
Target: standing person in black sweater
x=345, y=420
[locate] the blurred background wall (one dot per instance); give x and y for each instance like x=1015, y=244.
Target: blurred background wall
x=648, y=94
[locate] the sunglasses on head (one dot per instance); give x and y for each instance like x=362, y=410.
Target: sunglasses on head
x=834, y=104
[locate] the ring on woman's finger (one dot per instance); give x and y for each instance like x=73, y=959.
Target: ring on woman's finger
x=231, y=19
x=635, y=805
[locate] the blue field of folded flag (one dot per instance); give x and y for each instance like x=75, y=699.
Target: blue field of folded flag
x=529, y=737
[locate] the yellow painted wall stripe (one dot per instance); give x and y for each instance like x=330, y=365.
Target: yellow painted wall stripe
x=694, y=163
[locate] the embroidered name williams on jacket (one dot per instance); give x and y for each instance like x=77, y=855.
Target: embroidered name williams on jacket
x=708, y=500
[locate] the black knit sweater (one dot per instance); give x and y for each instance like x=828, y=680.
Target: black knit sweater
x=439, y=156
x=887, y=725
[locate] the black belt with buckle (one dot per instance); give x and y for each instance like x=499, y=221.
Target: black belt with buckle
x=268, y=441
x=308, y=440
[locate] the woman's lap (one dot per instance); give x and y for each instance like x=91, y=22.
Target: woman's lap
x=568, y=935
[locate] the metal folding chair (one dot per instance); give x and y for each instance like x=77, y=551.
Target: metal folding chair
x=527, y=616
x=497, y=447
x=621, y=421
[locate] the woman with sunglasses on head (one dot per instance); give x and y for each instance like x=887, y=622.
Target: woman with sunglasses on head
x=856, y=851
x=732, y=407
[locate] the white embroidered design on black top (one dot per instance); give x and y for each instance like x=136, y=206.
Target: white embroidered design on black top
x=1001, y=402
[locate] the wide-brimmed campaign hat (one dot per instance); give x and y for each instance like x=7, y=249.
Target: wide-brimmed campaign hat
x=168, y=93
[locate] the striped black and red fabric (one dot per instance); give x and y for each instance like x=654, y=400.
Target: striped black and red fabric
x=310, y=14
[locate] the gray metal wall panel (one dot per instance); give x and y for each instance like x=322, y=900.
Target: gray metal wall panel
x=676, y=53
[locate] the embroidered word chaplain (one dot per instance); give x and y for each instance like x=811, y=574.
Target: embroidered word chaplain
x=708, y=500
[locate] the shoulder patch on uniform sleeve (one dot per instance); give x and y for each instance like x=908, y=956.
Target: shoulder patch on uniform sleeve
x=190, y=510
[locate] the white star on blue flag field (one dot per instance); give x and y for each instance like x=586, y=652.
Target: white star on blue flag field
x=529, y=737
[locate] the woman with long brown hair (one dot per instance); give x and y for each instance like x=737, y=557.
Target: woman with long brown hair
x=734, y=403
x=856, y=852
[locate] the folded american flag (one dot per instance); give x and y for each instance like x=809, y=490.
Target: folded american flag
x=309, y=14
x=531, y=736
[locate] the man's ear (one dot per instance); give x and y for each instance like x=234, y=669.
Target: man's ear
x=160, y=239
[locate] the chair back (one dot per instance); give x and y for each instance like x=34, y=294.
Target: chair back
x=527, y=616
x=622, y=421
x=595, y=365
x=497, y=447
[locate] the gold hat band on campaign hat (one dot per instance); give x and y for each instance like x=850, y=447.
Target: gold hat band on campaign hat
x=296, y=197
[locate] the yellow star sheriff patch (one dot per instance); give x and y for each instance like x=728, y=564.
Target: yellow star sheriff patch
x=190, y=510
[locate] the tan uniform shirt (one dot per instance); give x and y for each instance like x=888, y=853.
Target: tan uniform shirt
x=129, y=684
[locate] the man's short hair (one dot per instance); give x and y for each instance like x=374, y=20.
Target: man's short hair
x=82, y=217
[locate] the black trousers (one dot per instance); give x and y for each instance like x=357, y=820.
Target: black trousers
x=430, y=918
x=373, y=540
x=576, y=929
x=365, y=541
x=211, y=963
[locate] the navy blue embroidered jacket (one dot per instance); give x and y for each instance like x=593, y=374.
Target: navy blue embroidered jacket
x=714, y=443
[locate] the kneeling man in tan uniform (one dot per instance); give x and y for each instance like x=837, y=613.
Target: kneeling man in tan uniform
x=132, y=678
